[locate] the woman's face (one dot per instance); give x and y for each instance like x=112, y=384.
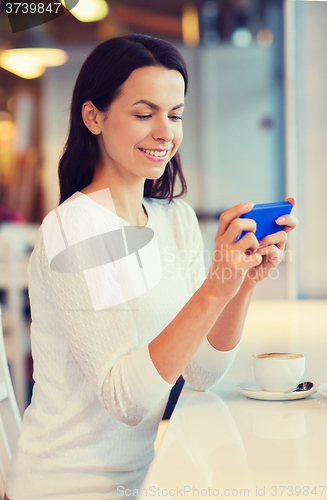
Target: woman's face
x=142, y=129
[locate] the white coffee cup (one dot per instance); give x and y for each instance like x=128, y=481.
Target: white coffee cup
x=278, y=371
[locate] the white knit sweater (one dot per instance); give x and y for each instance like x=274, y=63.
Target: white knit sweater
x=98, y=399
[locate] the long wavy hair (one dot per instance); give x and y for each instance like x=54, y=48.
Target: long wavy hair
x=100, y=80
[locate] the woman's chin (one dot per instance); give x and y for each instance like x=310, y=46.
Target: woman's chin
x=156, y=173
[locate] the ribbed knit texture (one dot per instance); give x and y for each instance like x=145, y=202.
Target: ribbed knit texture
x=98, y=399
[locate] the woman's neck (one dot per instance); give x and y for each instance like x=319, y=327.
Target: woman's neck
x=126, y=203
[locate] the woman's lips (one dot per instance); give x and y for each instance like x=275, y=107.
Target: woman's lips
x=155, y=154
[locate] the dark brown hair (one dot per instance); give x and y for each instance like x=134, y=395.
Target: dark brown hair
x=100, y=80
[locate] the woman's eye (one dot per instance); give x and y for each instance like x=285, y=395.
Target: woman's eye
x=174, y=118
x=143, y=117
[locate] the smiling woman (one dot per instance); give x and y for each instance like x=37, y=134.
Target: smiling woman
x=116, y=319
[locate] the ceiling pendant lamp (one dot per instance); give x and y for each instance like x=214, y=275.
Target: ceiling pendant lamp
x=33, y=57
x=88, y=11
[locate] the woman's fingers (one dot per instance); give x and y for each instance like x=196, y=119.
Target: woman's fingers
x=252, y=260
x=237, y=226
x=232, y=213
x=274, y=254
x=291, y=200
x=288, y=221
x=279, y=239
x=248, y=243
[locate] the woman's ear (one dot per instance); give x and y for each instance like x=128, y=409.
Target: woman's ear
x=90, y=115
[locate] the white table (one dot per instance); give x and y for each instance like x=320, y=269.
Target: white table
x=219, y=443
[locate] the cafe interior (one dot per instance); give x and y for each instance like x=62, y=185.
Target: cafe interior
x=255, y=128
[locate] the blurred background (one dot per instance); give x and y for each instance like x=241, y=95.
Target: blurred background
x=255, y=127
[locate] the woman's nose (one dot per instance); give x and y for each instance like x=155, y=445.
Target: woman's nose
x=163, y=131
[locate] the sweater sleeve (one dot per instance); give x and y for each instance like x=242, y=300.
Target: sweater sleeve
x=103, y=340
x=209, y=365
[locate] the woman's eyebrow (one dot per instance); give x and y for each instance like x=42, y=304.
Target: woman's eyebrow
x=155, y=106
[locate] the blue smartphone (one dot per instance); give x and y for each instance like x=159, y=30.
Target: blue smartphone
x=265, y=215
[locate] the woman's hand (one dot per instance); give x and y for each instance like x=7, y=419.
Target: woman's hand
x=232, y=259
x=271, y=248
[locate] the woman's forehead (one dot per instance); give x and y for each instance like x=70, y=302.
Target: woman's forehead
x=153, y=81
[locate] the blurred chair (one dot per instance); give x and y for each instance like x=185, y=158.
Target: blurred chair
x=10, y=419
x=16, y=243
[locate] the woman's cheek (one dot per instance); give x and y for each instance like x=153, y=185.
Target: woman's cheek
x=179, y=136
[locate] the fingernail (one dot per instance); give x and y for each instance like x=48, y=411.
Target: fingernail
x=249, y=205
x=280, y=219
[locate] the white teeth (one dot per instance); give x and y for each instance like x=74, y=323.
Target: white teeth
x=155, y=153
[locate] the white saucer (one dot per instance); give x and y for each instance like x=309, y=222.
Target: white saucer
x=322, y=389
x=253, y=391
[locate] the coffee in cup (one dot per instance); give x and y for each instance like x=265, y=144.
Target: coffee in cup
x=278, y=371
